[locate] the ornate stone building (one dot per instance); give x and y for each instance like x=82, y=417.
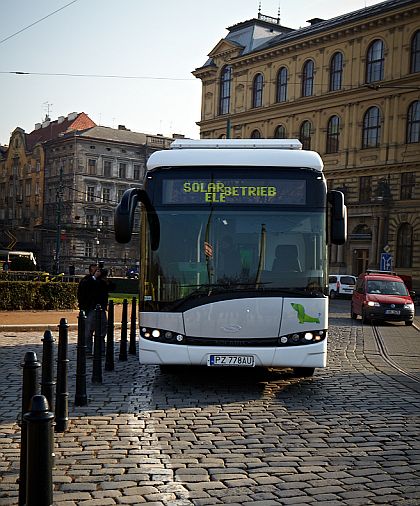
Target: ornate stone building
x=59, y=186
x=348, y=88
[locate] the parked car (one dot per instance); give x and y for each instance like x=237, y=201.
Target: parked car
x=341, y=285
x=382, y=296
x=132, y=272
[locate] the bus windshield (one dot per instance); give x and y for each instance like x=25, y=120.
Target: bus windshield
x=251, y=232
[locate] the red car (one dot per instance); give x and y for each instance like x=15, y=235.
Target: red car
x=382, y=296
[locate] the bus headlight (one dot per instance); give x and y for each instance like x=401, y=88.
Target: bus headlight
x=308, y=336
x=156, y=333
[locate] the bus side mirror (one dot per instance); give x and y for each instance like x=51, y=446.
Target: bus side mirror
x=338, y=223
x=124, y=217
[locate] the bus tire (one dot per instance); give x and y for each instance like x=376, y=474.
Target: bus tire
x=169, y=368
x=303, y=372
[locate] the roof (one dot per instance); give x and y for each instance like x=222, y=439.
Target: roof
x=114, y=135
x=255, y=34
x=52, y=129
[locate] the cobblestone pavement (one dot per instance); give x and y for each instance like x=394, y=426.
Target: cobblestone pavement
x=348, y=436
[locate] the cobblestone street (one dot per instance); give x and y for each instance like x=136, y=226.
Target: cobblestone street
x=349, y=435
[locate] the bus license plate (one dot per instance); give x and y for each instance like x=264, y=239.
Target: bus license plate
x=231, y=360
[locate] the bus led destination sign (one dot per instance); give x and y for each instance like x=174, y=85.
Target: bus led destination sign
x=238, y=191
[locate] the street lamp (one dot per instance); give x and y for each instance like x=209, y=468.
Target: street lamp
x=98, y=230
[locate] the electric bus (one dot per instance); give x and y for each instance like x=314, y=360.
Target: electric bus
x=233, y=254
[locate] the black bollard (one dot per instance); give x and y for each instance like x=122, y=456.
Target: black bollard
x=123, y=342
x=80, y=398
x=109, y=359
x=47, y=381
x=132, y=347
x=97, y=347
x=39, y=483
x=30, y=388
x=62, y=394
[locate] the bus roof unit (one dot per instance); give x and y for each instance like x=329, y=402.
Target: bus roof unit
x=238, y=153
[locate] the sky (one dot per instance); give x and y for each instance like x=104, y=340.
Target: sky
x=153, y=46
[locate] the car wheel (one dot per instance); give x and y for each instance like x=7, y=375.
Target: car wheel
x=409, y=322
x=352, y=313
x=333, y=294
x=303, y=372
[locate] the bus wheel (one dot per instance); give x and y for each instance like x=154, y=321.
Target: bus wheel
x=303, y=372
x=169, y=368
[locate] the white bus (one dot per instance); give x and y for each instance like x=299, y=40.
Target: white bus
x=7, y=257
x=233, y=249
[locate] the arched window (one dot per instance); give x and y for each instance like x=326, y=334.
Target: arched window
x=308, y=79
x=305, y=134
x=255, y=134
x=280, y=132
x=333, y=133
x=282, y=85
x=371, y=128
x=257, y=90
x=415, y=53
x=404, y=246
x=336, y=72
x=225, y=89
x=413, y=122
x=375, y=62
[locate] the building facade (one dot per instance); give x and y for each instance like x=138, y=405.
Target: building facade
x=349, y=88
x=59, y=186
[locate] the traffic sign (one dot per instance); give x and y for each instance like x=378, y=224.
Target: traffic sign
x=386, y=262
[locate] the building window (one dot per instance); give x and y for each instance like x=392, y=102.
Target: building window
x=408, y=181
x=107, y=168
x=88, y=249
x=225, y=86
x=308, y=79
x=375, y=62
x=365, y=189
x=255, y=134
x=415, y=53
x=257, y=90
x=282, y=85
x=90, y=220
x=333, y=133
x=122, y=170
x=106, y=194
x=280, y=132
x=120, y=194
x=404, y=246
x=413, y=122
x=92, y=166
x=305, y=134
x=137, y=172
x=371, y=128
x=336, y=72
x=90, y=194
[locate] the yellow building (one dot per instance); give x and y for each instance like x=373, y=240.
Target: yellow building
x=349, y=88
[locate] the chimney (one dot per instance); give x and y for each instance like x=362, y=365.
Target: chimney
x=71, y=116
x=38, y=126
x=315, y=21
x=121, y=127
x=60, y=119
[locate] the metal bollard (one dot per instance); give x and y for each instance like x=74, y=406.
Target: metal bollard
x=80, y=398
x=97, y=347
x=39, y=483
x=123, y=342
x=62, y=394
x=30, y=388
x=109, y=359
x=132, y=347
x=47, y=381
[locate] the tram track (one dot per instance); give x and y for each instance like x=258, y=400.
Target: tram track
x=388, y=358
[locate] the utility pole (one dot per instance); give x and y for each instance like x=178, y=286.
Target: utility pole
x=58, y=214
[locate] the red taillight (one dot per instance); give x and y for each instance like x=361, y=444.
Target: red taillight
x=338, y=286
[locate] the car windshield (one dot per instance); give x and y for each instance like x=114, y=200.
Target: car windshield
x=383, y=287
